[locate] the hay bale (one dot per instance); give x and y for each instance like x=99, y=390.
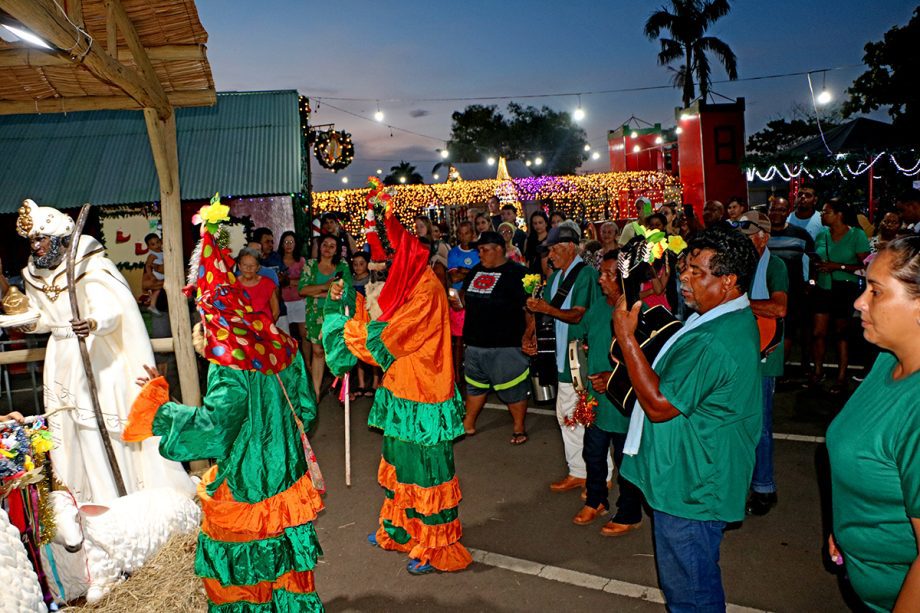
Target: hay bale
x=165, y=584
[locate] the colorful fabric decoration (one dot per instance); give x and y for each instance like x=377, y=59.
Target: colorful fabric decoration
x=237, y=336
x=377, y=198
x=585, y=411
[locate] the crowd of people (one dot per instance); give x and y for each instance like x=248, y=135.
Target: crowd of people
x=755, y=289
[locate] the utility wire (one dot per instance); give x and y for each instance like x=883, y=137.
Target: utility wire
x=619, y=90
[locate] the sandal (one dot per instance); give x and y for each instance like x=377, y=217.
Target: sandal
x=368, y=393
x=518, y=438
x=416, y=567
x=838, y=388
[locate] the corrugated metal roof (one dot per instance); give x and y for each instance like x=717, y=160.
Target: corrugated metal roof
x=247, y=144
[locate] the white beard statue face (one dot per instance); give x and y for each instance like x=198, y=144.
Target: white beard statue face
x=52, y=255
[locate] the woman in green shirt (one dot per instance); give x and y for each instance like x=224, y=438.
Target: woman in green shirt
x=314, y=284
x=874, y=443
x=842, y=247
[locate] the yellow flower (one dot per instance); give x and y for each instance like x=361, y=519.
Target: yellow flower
x=658, y=249
x=676, y=243
x=215, y=213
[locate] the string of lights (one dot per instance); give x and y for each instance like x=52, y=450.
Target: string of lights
x=595, y=196
x=795, y=170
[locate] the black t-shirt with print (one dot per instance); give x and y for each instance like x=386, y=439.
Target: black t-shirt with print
x=495, y=300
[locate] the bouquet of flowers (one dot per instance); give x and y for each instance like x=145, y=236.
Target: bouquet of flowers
x=532, y=284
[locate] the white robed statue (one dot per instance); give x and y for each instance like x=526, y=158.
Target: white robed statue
x=118, y=344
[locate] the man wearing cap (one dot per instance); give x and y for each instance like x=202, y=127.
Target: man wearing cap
x=768, y=295
x=117, y=343
x=570, y=291
x=494, y=328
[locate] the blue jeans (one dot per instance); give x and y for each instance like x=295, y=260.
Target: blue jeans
x=687, y=556
x=594, y=451
x=763, y=482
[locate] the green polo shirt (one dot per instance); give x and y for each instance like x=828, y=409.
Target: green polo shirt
x=698, y=465
x=585, y=292
x=874, y=448
x=597, y=322
x=777, y=281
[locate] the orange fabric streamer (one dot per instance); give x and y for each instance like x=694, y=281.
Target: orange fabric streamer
x=140, y=421
x=425, y=500
x=296, y=582
x=356, y=340
x=416, y=336
x=224, y=519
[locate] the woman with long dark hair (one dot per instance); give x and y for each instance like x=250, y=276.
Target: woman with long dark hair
x=842, y=247
x=538, y=229
x=293, y=262
x=314, y=284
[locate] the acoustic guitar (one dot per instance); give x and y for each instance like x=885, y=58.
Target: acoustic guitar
x=656, y=325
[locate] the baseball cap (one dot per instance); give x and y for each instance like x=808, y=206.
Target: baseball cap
x=752, y=222
x=561, y=234
x=489, y=238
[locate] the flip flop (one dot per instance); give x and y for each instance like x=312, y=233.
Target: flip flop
x=415, y=567
x=518, y=438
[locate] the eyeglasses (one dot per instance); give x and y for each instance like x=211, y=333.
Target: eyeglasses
x=745, y=224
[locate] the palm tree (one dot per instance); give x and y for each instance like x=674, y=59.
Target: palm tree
x=403, y=173
x=687, y=22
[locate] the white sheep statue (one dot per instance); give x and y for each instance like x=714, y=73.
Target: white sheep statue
x=97, y=546
x=19, y=589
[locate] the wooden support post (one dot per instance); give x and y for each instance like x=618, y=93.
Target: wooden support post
x=162, y=134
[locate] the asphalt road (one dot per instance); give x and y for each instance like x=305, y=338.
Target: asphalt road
x=530, y=556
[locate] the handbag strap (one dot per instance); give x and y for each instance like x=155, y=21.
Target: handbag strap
x=316, y=474
x=566, y=286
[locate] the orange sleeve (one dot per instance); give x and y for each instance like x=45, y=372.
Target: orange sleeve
x=140, y=421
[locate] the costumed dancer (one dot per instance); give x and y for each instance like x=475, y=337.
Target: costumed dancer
x=257, y=547
x=117, y=342
x=417, y=405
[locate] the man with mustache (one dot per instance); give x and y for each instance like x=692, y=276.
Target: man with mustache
x=697, y=420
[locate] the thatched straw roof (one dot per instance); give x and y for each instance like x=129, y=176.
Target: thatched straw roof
x=33, y=80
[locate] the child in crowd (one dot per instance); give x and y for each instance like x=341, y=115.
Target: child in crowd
x=153, y=269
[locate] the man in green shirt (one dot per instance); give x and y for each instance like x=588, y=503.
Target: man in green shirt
x=569, y=293
x=690, y=445
x=610, y=425
x=768, y=293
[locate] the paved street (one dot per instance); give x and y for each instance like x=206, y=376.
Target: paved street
x=529, y=554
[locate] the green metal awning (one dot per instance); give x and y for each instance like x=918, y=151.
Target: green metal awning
x=248, y=144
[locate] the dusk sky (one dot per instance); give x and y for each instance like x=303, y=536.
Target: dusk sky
x=405, y=54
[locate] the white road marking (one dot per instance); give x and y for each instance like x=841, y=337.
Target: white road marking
x=586, y=580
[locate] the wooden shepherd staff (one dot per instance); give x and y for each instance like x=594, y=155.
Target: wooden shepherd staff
x=84, y=352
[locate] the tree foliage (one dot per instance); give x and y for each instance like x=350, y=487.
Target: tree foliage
x=784, y=132
x=893, y=78
x=403, y=169
x=525, y=133
x=687, y=22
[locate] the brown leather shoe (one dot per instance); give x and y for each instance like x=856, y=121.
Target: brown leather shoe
x=587, y=515
x=615, y=529
x=569, y=483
